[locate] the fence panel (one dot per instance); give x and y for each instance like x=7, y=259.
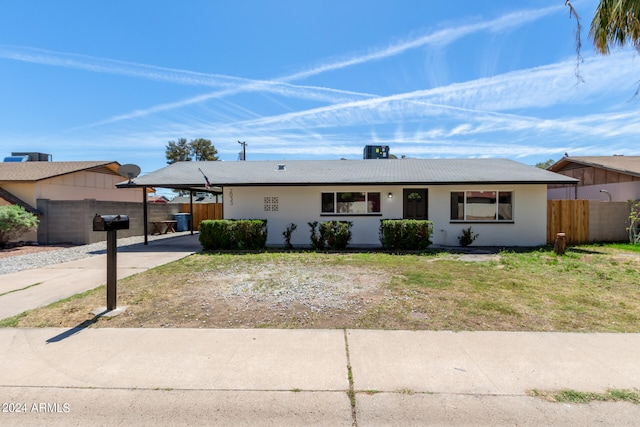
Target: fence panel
x=570, y=217
x=202, y=211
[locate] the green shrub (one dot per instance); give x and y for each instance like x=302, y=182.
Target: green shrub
x=330, y=234
x=226, y=234
x=337, y=234
x=287, y=235
x=634, y=222
x=467, y=237
x=317, y=239
x=14, y=222
x=405, y=234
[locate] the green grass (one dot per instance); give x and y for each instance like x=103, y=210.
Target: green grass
x=622, y=246
x=581, y=397
x=12, y=322
x=21, y=289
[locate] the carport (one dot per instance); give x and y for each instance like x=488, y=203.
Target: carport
x=191, y=179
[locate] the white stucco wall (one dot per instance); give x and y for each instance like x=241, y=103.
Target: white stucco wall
x=300, y=205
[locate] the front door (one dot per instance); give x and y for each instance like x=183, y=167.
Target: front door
x=416, y=203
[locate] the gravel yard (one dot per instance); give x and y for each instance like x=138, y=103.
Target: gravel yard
x=24, y=257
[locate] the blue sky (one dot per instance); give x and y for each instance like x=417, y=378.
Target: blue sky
x=317, y=79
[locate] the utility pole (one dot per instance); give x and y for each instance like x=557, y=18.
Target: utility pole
x=244, y=150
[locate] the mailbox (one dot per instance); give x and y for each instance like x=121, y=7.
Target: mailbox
x=110, y=222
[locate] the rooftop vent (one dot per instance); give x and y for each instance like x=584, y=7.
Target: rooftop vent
x=281, y=167
x=34, y=157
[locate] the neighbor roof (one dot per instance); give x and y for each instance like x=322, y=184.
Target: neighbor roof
x=347, y=172
x=629, y=165
x=36, y=171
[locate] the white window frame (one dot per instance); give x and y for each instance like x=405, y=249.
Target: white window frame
x=466, y=217
x=366, y=202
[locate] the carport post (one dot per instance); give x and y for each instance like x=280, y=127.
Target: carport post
x=111, y=269
x=191, y=211
x=145, y=215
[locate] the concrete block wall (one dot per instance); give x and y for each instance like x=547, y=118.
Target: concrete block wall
x=71, y=221
x=608, y=221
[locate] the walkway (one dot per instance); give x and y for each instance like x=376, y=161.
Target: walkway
x=86, y=376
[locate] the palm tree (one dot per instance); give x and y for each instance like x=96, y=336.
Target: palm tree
x=615, y=23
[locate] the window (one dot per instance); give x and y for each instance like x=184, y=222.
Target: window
x=350, y=203
x=482, y=206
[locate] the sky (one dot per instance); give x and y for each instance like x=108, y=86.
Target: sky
x=314, y=79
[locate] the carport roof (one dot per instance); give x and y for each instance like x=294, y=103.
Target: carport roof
x=190, y=175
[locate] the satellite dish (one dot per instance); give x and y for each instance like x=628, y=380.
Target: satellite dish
x=130, y=171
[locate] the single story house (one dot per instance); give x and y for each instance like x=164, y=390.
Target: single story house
x=605, y=178
x=53, y=191
x=505, y=202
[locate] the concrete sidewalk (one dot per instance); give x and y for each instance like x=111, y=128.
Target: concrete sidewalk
x=301, y=377
x=29, y=289
x=290, y=377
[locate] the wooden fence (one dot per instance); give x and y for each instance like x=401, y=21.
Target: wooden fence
x=202, y=211
x=570, y=217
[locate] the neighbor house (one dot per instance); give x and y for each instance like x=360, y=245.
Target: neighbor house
x=62, y=194
x=606, y=178
x=605, y=185
x=505, y=202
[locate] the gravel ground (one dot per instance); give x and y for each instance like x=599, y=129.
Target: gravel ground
x=27, y=257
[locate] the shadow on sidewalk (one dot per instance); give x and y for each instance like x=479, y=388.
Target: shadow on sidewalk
x=76, y=329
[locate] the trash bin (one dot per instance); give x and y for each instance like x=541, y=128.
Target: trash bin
x=182, y=221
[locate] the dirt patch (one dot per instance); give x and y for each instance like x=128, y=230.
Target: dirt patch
x=278, y=295
x=22, y=249
x=274, y=295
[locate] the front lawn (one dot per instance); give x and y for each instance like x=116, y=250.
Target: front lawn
x=590, y=288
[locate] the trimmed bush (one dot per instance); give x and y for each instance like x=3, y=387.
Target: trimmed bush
x=227, y=234
x=330, y=234
x=317, y=240
x=14, y=222
x=467, y=237
x=287, y=235
x=405, y=234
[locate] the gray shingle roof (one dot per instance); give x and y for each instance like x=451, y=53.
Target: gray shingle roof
x=36, y=171
x=349, y=172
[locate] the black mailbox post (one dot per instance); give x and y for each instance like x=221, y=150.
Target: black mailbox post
x=110, y=224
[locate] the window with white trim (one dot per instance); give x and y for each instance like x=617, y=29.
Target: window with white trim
x=482, y=206
x=350, y=203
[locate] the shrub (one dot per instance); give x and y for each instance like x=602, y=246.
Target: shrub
x=332, y=234
x=337, y=234
x=317, y=240
x=634, y=222
x=405, y=234
x=228, y=234
x=467, y=237
x=287, y=235
x=14, y=222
